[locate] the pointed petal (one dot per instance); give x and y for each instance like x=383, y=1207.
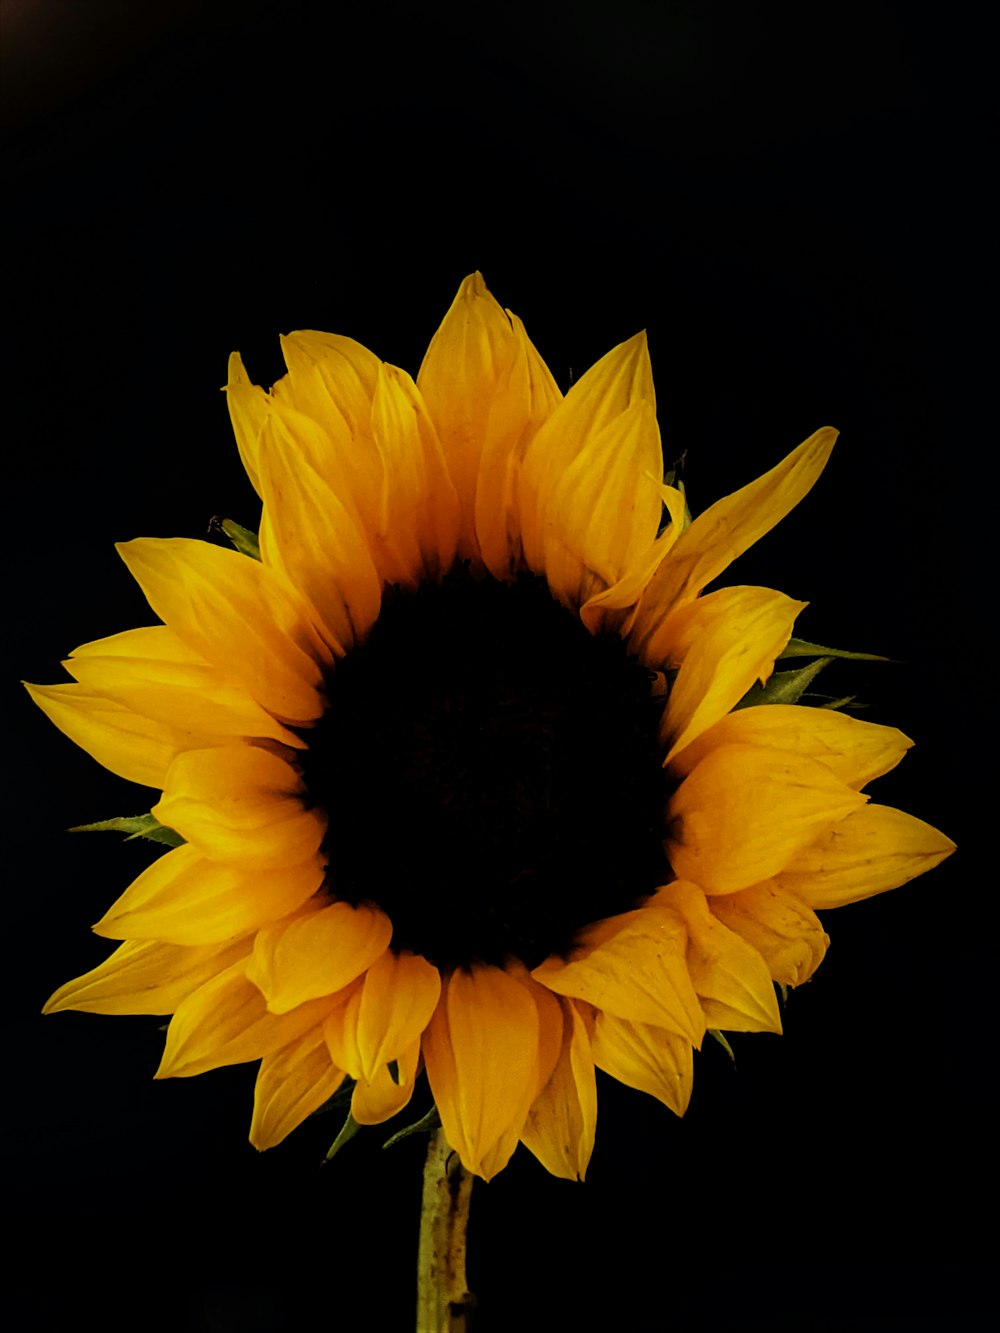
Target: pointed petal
x=726, y=530
x=744, y=812
x=377, y=1100
x=153, y=642
x=400, y=993
x=785, y=932
x=332, y=379
x=729, y=976
x=248, y=406
x=563, y=1117
x=722, y=643
x=145, y=977
x=317, y=953
x=291, y=1084
x=638, y=972
x=234, y=612
x=133, y=747
x=871, y=851
x=855, y=751
x=241, y=804
x=481, y=1052
x=225, y=1022
x=184, y=899
x=651, y=1059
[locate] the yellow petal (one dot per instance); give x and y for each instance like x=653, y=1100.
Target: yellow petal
x=375, y=1101
x=722, y=644
x=474, y=399
x=638, y=972
x=400, y=994
x=152, y=642
x=785, y=932
x=651, y=1059
x=241, y=804
x=563, y=1117
x=320, y=547
x=481, y=1052
x=726, y=530
x=234, y=612
x=317, y=954
x=184, y=899
x=133, y=747
x=744, y=812
x=873, y=850
x=291, y=1084
x=248, y=406
x=225, y=1022
x=145, y=977
x=855, y=751
x=729, y=976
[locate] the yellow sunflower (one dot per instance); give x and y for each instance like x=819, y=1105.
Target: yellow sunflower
x=455, y=760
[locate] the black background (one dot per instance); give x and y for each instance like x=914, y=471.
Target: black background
x=788, y=197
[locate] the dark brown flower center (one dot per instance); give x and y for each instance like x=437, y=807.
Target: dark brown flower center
x=490, y=771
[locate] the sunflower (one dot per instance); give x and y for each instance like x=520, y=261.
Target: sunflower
x=462, y=765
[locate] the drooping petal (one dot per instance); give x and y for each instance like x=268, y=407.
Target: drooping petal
x=562, y=1121
x=481, y=1052
x=225, y=1022
x=633, y=966
x=400, y=993
x=785, y=932
x=722, y=644
x=145, y=977
x=235, y=613
x=729, y=976
x=248, y=406
x=183, y=898
x=240, y=804
x=651, y=1059
x=375, y=1101
x=856, y=751
x=317, y=953
x=291, y=1084
x=744, y=812
x=874, y=849
x=725, y=530
x=133, y=747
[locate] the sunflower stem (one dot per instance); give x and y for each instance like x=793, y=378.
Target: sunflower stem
x=444, y=1302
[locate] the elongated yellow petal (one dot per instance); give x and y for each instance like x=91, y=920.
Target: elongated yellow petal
x=234, y=612
x=145, y=977
x=563, y=1117
x=638, y=972
x=400, y=994
x=332, y=378
x=375, y=1101
x=726, y=530
x=855, y=751
x=150, y=642
x=291, y=1084
x=729, y=976
x=785, y=932
x=317, y=954
x=165, y=689
x=744, y=812
x=184, y=899
x=481, y=1052
x=320, y=547
x=722, y=644
x=225, y=1022
x=875, y=849
x=248, y=406
x=651, y=1059
x=240, y=804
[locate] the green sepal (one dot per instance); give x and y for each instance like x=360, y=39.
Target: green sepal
x=784, y=687
x=425, y=1125
x=347, y=1132
x=136, y=826
x=784, y=992
x=245, y=541
x=801, y=648
x=720, y=1037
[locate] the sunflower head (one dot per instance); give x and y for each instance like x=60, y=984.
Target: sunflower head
x=461, y=770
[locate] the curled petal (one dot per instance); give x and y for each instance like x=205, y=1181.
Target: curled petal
x=785, y=932
x=563, y=1118
x=317, y=953
x=651, y=1059
x=292, y=1083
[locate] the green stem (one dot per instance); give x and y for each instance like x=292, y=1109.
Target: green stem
x=444, y=1302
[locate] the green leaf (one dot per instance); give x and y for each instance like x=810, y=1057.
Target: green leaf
x=720, y=1037
x=800, y=648
x=426, y=1125
x=136, y=826
x=242, y=538
x=784, y=687
x=348, y=1130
